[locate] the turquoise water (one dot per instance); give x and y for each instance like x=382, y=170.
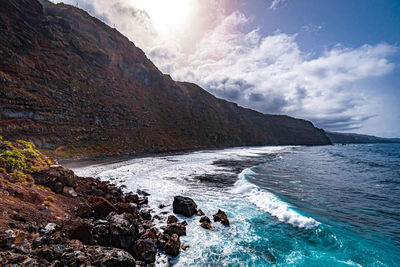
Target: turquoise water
x=288, y=206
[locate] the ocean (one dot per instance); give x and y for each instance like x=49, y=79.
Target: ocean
x=288, y=206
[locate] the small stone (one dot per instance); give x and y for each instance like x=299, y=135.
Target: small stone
x=200, y=213
x=185, y=246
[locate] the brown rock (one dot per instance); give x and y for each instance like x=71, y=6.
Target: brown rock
x=220, y=216
x=200, y=213
x=175, y=228
x=173, y=245
x=185, y=246
x=172, y=219
x=145, y=249
x=206, y=223
x=84, y=211
x=81, y=231
x=102, y=207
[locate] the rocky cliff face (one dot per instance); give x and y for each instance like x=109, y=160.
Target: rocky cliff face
x=70, y=82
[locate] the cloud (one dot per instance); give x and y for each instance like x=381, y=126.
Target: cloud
x=312, y=28
x=276, y=3
x=266, y=73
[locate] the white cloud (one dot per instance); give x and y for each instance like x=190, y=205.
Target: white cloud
x=275, y=4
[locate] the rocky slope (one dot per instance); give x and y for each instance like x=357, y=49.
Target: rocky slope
x=69, y=82
x=51, y=217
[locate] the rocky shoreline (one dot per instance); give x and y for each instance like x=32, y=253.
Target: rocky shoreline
x=52, y=217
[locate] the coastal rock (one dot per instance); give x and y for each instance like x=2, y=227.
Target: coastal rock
x=205, y=222
x=113, y=257
x=69, y=191
x=185, y=246
x=220, y=216
x=173, y=245
x=145, y=249
x=81, y=231
x=84, y=211
x=55, y=178
x=175, y=228
x=102, y=207
x=172, y=219
x=185, y=206
x=126, y=207
x=119, y=230
x=200, y=213
x=145, y=214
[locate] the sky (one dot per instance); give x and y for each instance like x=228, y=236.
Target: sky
x=334, y=62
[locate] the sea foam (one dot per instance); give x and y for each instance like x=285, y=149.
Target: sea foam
x=270, y=203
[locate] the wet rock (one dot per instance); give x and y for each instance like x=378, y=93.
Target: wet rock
x=200, y=213
x=131, y=198
x=205, y=222
x=161, y=206
x=175, y=228
x=145, y=249
x=185, y=206
x=270, y=257
x=220, y=216
x=143, y=200
x=172, y=219
x=143, y=193
x=173, y=245
x=185, y=246
x=145, y=214
x=102, y=207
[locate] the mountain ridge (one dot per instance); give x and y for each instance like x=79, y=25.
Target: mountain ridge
x=72, y=84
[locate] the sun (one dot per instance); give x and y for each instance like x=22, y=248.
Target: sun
x=167, y=15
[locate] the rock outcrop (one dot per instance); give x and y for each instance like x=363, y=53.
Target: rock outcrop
x=185, y=206
x=73, y=85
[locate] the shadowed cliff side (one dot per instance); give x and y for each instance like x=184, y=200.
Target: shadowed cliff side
x=69, y=82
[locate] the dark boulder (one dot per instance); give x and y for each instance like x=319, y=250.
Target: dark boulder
x=145, y=249
x=80, y=230
x=112, y=257
x=119, y=230
x=185, y=206
x=220, y=216
x=172, y=219
x=102, y=207
x=175, y=228
x=56, y=178
x=173, y=245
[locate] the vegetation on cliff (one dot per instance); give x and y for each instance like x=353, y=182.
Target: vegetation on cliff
x=20, y=159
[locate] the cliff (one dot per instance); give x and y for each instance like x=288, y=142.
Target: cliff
x=352, y=138
x=70, y=83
